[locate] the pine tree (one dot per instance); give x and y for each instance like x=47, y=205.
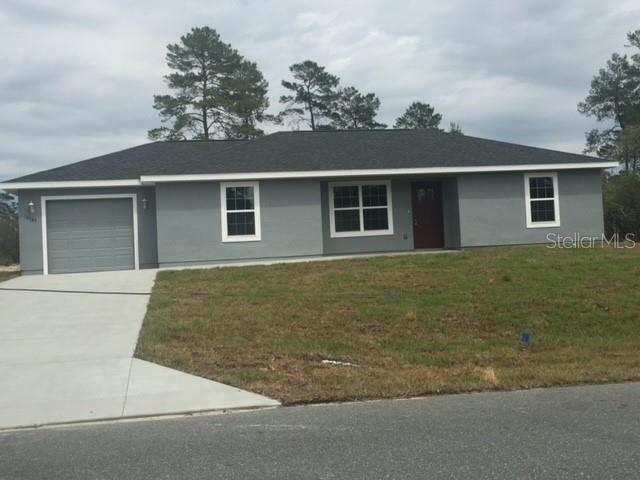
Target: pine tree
x=313, y=94
x=217, y=92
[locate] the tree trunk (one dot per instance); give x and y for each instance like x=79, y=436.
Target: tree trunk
x=313, y=121
x=310, y=107
x=626, y=162
x=205, y=123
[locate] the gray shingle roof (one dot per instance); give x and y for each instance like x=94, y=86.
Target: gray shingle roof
x=307, y=151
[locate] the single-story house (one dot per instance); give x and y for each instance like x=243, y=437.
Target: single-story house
x=300, y=194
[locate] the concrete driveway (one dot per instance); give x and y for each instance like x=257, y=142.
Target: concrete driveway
x=66, y=348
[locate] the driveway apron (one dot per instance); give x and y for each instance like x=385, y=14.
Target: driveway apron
x=66, y=354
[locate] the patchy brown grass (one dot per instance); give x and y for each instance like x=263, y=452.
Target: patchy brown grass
x=413, y=325
x=6, y=275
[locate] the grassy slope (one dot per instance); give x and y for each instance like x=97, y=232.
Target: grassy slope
x=415, y=324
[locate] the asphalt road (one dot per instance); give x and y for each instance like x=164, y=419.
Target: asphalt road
x=583, y=432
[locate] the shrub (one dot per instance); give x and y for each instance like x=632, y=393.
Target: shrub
x=8, y=229
x=622, y=204
x=8, y=240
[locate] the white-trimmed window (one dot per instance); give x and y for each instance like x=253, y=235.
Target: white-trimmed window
x=541, y=193
x=240, y=211
x=360, y=208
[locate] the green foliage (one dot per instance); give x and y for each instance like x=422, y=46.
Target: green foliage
x=8, y=230
x=313, y=93
x=317, y=100
x=8, y=241
x=217, y=91
x=627, y=148
x=455, y=128
x=614, y=97
x=622, y=204
x=419, y=115
x=611, y=95
x=248, y=97
x=8, y=205
x=353, y=110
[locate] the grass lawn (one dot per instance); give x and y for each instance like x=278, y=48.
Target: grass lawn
x=414, y=324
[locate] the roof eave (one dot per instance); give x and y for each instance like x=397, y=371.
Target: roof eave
x=14, y=186
x=377, y=172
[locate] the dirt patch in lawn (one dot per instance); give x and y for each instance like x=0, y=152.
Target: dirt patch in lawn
x=8, y=274
x=409, y=325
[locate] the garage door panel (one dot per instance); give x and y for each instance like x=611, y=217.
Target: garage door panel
x=91, y=263
x=79, y=239
x=90, y=235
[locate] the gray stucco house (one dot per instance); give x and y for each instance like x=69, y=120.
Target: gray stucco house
x=295, y=194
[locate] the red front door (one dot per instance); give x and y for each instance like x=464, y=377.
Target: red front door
x=428, y=227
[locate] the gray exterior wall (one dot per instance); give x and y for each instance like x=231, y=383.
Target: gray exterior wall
x=402, y=238
x=492, y=208
x=182, y=224
x=451, y=213
x=31, y=225
x=190, y=228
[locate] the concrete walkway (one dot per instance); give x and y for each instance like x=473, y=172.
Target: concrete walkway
x=66, y=347
x=315, y=258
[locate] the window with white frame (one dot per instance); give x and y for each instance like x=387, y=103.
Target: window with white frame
x=541, y=192
x=360, y=208
x=240, y=211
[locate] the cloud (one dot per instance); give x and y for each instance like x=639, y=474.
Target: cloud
x=78, y=76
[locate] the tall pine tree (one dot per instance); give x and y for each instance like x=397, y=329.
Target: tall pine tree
x=614, y=97
x=313, y=92
x=217, y=93
x=353, y=110
x=419, y=115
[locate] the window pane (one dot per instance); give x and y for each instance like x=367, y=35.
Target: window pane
x=375, y=219
x=543, y=211
x=374, y=195
x=239, y=198
x=344, y=197
x=347, y=220
x=243, y=223
x=541, y=187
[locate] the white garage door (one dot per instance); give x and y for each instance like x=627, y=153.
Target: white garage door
x=90, y=235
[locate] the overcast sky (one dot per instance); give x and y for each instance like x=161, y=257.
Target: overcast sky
x=77, y=77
